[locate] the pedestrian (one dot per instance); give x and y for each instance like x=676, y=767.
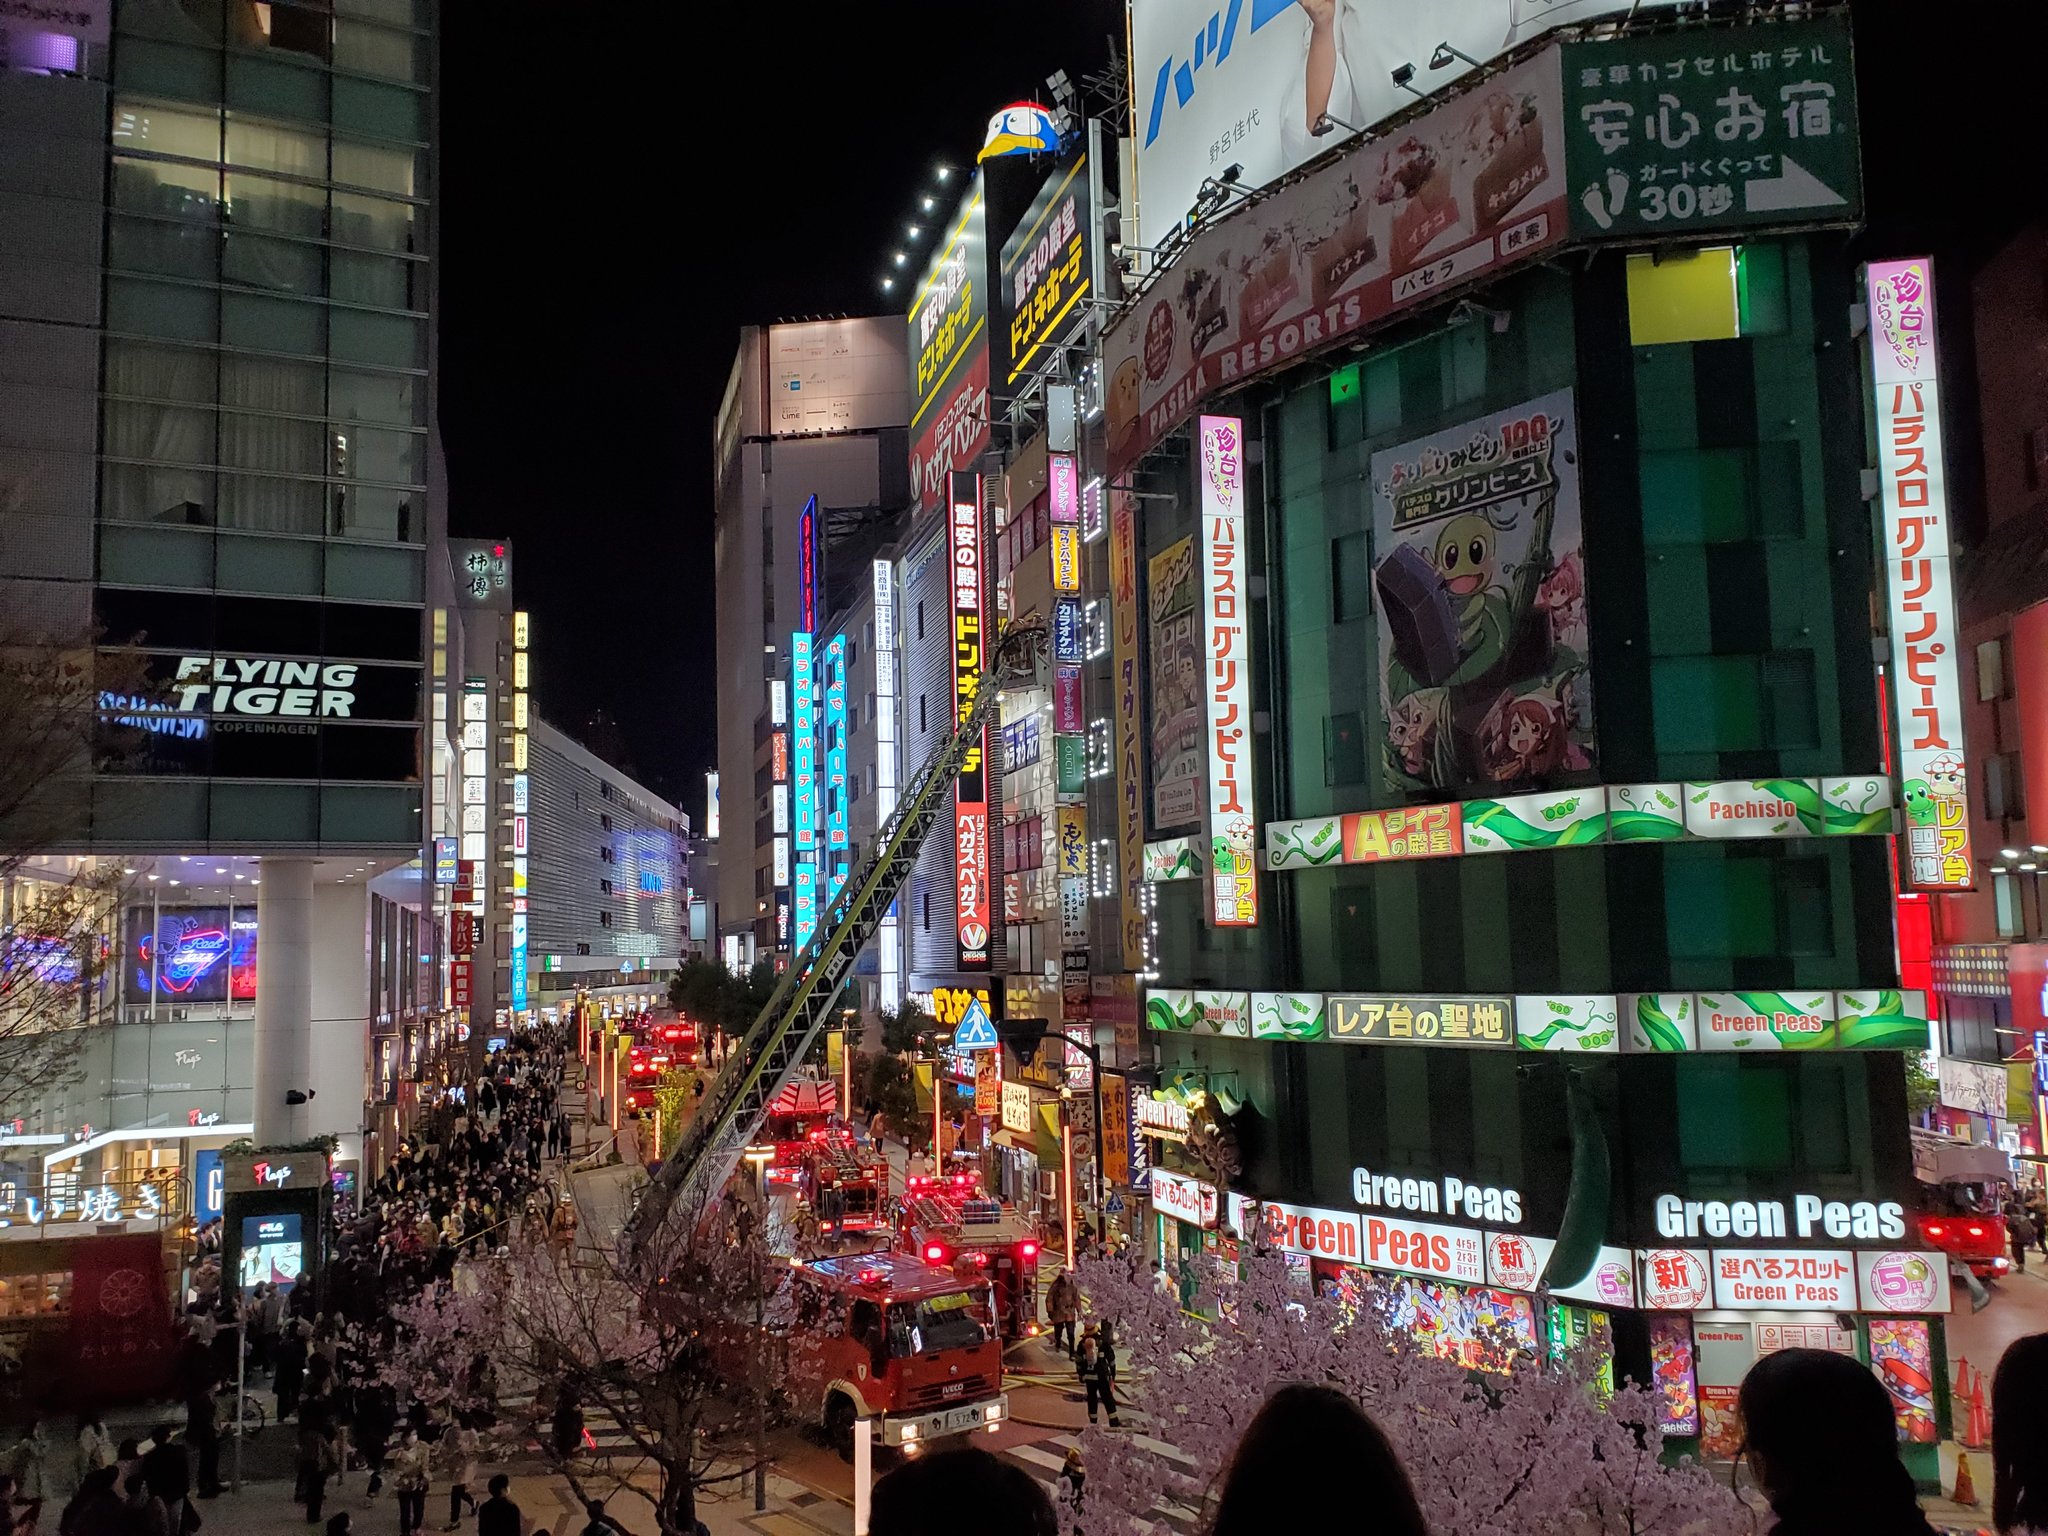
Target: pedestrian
x=319, y=1456
x=1822, y=1444
x=597, y=1523
x=202, y=1433
x=566, y=1424
x=459, y=1446
x=376, y=1416
x=1073, y=1479
x=1161, y=1281
x=340, y=1524
x=1098, y=1381
x=1062, y=1306
x=1299, y=1429
x=2019, y=1437
x=288, y=1374
x=925, y=1497
x=144, y=1511
x=96, y=1508
x=498, y=1515
x=409, y=1473
x=95, y=1450
x=28, y=1463
x=2019, y=1227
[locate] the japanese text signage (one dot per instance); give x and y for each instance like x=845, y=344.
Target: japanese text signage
x=1045, y=271
x=1913, y=489
x=1410, y=832
x=1066, y=557
x=972, y=905
x=1016, y=1107
x=1190, y=1200
x=1117, y=1133
x=1233, y=835
x=1072, y=853
x=1063, y=488
x=804, y=738
x=949, y=353
x=1802, y=1279
x=1480, y=1021
x=1067, y=708
x=1069, y=639
x=1461, y=192
x=809, y=580
x=1672, y=133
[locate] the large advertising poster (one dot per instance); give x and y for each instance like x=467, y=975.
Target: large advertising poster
x=1913, y=486
x=1247, y=84
x=1045, y=272
x=972, y=903
x=1461, y=190
x=1130, y=765
x=1173, y=600
x=1226, y=680
x=1481, y=605
x=949, y=353
x=195, y=954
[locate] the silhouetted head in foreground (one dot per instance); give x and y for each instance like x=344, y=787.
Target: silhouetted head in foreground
x=926, y=1497
x=2019, y=1436
x=1821, y=1440
x=1298, y=1439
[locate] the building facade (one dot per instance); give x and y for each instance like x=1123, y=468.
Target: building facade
x=215, y=443
x=609, y=882
x=1515, y=785
x=813, y=416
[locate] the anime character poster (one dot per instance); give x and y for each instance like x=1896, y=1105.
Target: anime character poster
x=1480, y=579
x=1173, y=600
x=1672, y=1375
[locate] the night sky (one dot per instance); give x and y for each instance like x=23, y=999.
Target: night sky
x=617, y=201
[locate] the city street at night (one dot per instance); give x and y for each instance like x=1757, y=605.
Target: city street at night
x=1380, y=668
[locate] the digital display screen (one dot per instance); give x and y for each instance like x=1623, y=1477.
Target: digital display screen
x=195, y=954
x=271, y=1251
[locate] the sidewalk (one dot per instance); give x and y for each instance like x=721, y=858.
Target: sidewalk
x=265, y=1508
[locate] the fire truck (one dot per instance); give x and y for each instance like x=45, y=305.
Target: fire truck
x=801, y=1113
x=947, y=1223
x=834, y=1159
x=644, y=1066
x=882, y=1336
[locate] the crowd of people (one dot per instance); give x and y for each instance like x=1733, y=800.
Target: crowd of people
x=474, y=1170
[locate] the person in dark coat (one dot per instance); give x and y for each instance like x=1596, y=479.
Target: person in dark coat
x=1096, y=1367
x=167, y=1470
x=498, y=1515
x=288, y=1360
x=1821, y=1442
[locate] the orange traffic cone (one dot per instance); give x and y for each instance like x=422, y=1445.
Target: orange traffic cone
x=1980, y=1414
x=1966, y=1486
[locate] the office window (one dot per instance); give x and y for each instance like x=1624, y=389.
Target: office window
x=2005, y=787
x=1991, y=669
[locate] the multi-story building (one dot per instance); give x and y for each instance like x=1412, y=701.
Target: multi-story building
x=1515, y=782
x=814, y=416
x=609, y=878
x=214, y=444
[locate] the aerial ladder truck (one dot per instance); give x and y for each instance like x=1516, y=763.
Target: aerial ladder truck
x=781, y=1037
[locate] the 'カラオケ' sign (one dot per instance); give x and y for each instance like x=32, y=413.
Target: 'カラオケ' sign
x=1913, y=491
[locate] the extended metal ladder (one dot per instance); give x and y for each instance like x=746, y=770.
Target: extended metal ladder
x=781, y=1037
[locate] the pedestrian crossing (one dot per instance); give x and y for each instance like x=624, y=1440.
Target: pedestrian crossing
x=603, y=1435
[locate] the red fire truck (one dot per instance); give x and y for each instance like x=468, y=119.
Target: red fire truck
x=954, y=1227
x=644, y=1066
x=797, y=1116
x=834, y=1159
x=882, y=1336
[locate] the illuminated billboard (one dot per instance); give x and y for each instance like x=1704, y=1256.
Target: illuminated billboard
x=949, y=353
x=1226, y=690
x=972, y=905
x=1913, y=487
x=191, y=954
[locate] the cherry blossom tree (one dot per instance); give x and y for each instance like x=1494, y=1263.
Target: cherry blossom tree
x=1508, y=1444
x=673, y=1343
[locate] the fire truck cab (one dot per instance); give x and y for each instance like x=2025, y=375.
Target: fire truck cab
x=884, y=1337
x=799, y=1115
x=947, y=1223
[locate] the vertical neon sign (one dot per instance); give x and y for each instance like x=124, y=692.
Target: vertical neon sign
x=971, y=904
x=804, y=774
x=885, y=758
x=1233, y=877
x=837, y=842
